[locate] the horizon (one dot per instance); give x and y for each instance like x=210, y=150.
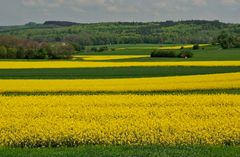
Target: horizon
x=19, y=12
x=41, y=23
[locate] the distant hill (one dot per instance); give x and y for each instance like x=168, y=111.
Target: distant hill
x=193, y=31
x=60, y=23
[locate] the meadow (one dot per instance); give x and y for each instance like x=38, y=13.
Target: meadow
x=122, y=103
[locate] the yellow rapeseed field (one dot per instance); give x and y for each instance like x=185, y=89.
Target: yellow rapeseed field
x=172, y=47
x=92, y=64
x=212, y=81
x=180, y=46
x=35, y=121
x=108, y=57
x=114, y=116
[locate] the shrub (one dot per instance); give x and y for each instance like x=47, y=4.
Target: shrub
x=61, y=51
x=30, y=54
x=225, y=40
x=185, y=54
x=213, y=43
x=3, y=52
x=94, y=49
x=196, y=47
x=20, y=53
x=163, y=53
x=42, y=54
x=236, y=42
x=102, y=49
x=12, y=53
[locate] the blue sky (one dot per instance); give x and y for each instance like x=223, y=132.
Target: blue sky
x=22, y=11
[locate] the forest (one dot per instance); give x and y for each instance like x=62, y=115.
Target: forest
x=61, y=39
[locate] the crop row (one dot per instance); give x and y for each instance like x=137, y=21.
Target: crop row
x=178, y=83
x=89, y=64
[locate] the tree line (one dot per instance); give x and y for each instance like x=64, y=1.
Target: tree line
x=227, y=40
x=16, y=48
x=81, y=35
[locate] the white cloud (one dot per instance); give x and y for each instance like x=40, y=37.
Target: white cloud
x=43, y=3
x=199, y=2
x=80, y=5
x=118, y=10
x=230, y=2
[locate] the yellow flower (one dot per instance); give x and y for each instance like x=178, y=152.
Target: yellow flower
x=92, y=64
x=119, y=119
x=197, y=82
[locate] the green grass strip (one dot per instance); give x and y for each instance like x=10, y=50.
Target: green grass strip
x=124, y=151
x=111, y=72
x=156, y=92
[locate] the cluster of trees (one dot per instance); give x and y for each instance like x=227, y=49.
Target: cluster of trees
x=172, y=54
x=196, y=47
x=17, y=48
x=102, y=49
x=228, y=41
x=60, y=23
